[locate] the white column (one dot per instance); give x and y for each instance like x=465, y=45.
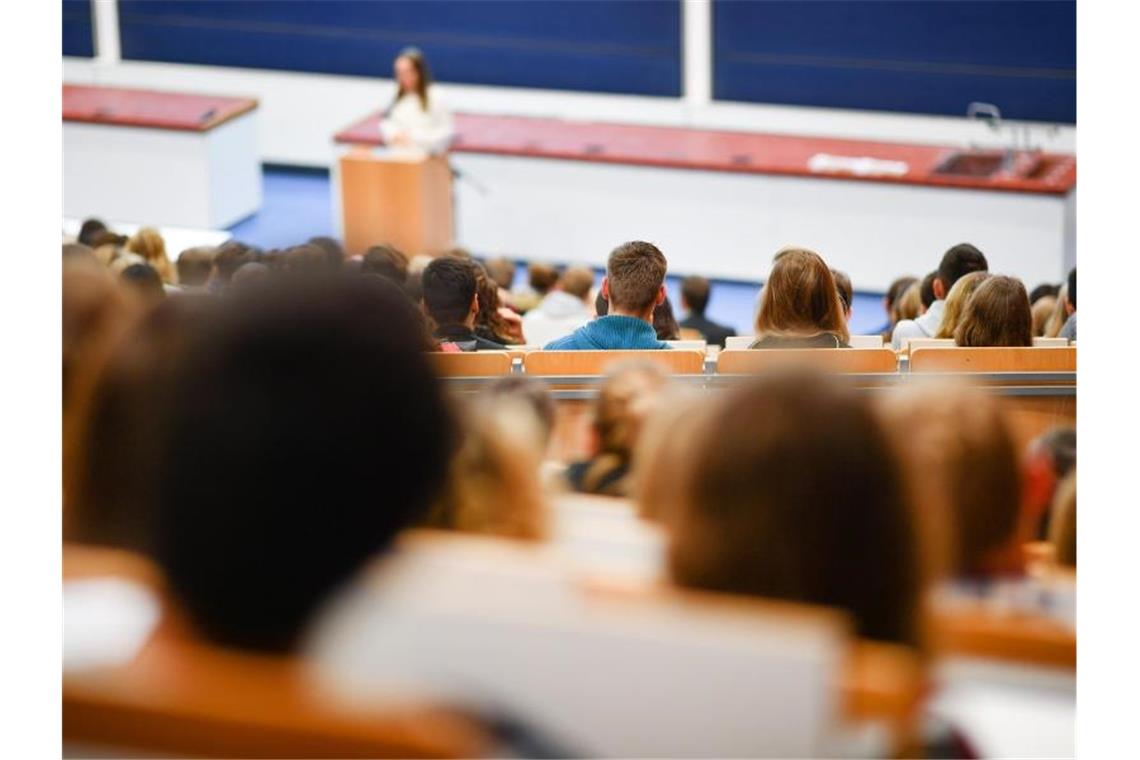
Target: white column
x=696, y=52
x=107, y=49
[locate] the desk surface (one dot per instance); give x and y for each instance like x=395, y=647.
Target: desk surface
x=716, y=150
x=149, y=108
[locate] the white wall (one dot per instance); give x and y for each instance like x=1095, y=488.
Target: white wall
x=301, y=112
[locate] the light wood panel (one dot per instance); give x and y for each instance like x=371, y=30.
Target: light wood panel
x=1048, y=359
x=471, y=363
x=839, y=360
x=570, y=363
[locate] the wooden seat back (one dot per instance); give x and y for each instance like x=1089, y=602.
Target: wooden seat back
x=837, y=360
x=1020, y=359
x=578, y=363
x=1018, y=638
x=471, y=363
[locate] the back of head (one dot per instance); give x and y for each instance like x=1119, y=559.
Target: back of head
x=926, y=289
x=502, y=271
x=664, y=323
x=542, y=277
x=333, y=250
x=276, y=482
x=635, y=273
x=577, y=281
x=89, y=232
x=145, y=280
x=195, y=266
x=997, y=314
x=1063, y=525
x=846, y=292
x=386, y=261
x=449, y=285
x=148, y=243
x=956, y=301
x=695, y=292
x=532, y=393
x=308, y=259
x=794, y=493
x=800, y=298
x=1057, y=319
x=1041, y=311
x=960, y=260
x=1071, y=294
x=229, y=258
x=896, y=289
x=963, y=469
x=1044, y=290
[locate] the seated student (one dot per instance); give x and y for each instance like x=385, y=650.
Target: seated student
x=890, y=304
x=335, y=255
x=270, y=495
x=959, y=260
x=1063, y=531
x=695, y=293
x=790, y=490
x=1044, y=290
x=1057, y=319
x=194, y=268
x=633, y=287
x=386, y=261
x=846, y=292
x=1069, y=329
x=90, y=231
x=997, y=314
x=228, y=259
x=451, y=300
x=626, y=399
x=540, y=279
x=564, y=309
x=926, y=291
x=502, y=271
x=1041, y=311
x=145, y=281
x=955, y=302
x=800, y=306
x=664, y=323
x=1048, y=460
x=495, y=322
x=148, y=243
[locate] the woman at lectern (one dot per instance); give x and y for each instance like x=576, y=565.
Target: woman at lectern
x=416, y=118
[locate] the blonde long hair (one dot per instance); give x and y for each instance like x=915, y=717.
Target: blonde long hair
x=800, y=298
x=148, y=243
x=956, y=302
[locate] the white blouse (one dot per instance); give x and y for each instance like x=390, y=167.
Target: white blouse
x=430, y=130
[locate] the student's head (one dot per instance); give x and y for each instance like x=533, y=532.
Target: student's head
x=533, y=394
x=333, y=250
x=793, y=492
x=1071, y=292
x=502, y=271
x=307, y=259
x=195, y=266
x=229, y=257
x=695, y=292
x=450, y=291
x=895, y=291
x=577, y=281
x=148, y=243
x=963, y=471
x=800, y=298
x=253, y=274
x=635, y=279
x=959, y=260
x=489, y=319
x=1044, y=290
x=144, y=280
x=627, y=398
x=89, y=232
x=411, y=72
x=926, y=289
x=275, y=480
x=1047, y=460
x=1041, y=310
x=1057, y=319
x=846, y=292
x=386, y=261
x=1063, y=528
x=956, y=301
x=997, y=314
x=664, y=323
x=542, y=277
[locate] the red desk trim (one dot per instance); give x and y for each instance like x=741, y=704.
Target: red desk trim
x=151, y=108
x=712, y=150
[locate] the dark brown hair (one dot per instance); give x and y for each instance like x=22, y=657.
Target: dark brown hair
x=695, y=294
x=843, y=285
x=635, y=273
x=997, y=314
x=423, y=74
x=542, y=277
x=800, y=298
x=794, y=493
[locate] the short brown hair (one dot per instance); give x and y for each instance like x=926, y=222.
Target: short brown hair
x=793, y=492
x=502, y=271
x=195, y=265
x=577, y=281
x=800, y=298
x=542, y=277
x=997, y=314
x=695, y=292
x=635, y=273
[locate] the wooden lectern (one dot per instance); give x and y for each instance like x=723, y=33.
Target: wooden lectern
x=403, y=199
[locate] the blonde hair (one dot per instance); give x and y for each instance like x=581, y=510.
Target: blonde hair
x=493, y=484
x=1057, y=319
x=1042, y=311
x=800, y=298
x=1063, y=526
x=148, y=243
x=956, y=301
x=909, y=304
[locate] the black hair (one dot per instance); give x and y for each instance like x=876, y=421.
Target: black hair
x=1072, y=295
x=926, y=289
x=957, y=261
x=145, y=279
x=1042, y=291
x=90, y=231
x=695, y=291
x=449, y=285
x=333, y=250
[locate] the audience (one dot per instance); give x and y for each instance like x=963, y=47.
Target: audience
x=195, y=266
x=664, y=323
x=1057, y=319
x=564, y=309
x=633, y=287
x=800, y=306
x=145, y=280
x=891, y=299
x=792, y=492
x=331, y=247
x=955, y=302
x=846, y=292
x=1041, y=311
x=495, y=322
x=540, y=279
x=386, y=261
x=695, y=294
x=148, y=243
x=997, y=314
x=1063, y=532
x=502, y=271
x=1044, y=290
x=230, y=257
x=926, y=291
x=1048, y=460
x=89, y=232
x=625, y=401
x=956, y=262
x=451, y=300
x=1069, y=329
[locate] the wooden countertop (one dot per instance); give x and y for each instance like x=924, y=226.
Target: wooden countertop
x=150, y=108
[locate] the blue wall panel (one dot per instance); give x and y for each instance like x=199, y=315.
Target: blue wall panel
x=624, y=47
x=922, y=56
x=78, y=29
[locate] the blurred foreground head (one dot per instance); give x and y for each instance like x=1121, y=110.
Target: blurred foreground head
x=307, y=429
x=791, y=491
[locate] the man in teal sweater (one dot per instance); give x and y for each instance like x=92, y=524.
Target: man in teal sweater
x=634, y=285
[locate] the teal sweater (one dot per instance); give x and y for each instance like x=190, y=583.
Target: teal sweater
x=611, y=332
